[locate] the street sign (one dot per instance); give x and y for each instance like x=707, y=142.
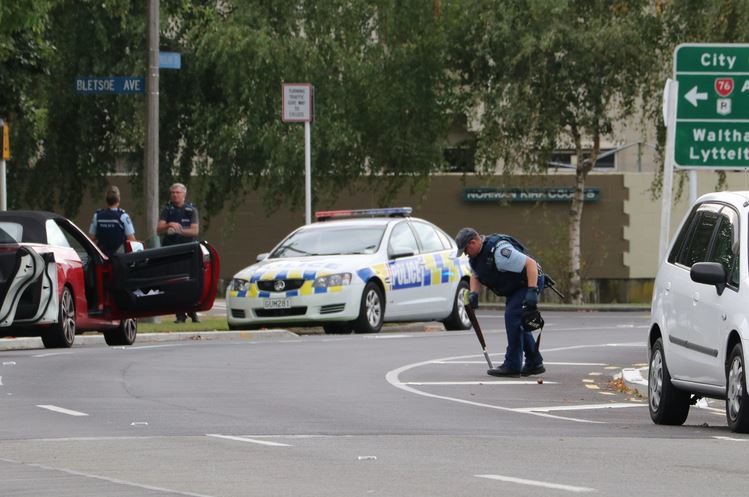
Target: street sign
x=170, y=60
x=296, y=103
x=111, y=84
x=712, y=110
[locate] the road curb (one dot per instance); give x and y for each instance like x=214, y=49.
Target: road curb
x=23, y=343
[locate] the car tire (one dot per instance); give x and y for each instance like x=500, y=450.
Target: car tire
x=337, y=328
x=371, y=311
x=667, y=404
x=124, y=334
x=62, y=333
x=458, y=318
x=737, y=399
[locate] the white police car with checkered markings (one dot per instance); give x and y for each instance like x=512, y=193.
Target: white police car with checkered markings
x=352, y=271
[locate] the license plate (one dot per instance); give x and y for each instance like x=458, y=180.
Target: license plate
x=277, y=304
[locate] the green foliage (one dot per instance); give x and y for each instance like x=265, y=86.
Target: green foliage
x=547, y=72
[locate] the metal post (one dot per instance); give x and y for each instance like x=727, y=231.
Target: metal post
x=152, y=135
x=3, y=176
x=692, y=187
x=670, y=95
x=308, y=172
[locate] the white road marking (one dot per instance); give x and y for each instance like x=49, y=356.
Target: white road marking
x=730, y=439
x=581, y=407
x=537, y=483
x=497, y=382
x=1, y=381
x=546, y=363
x=592, y=387
x=392, y=378
x=107, y=479
x=577, y=347
x=49, y=354
x=245, y=439
x=9, y=363
x=61, y=410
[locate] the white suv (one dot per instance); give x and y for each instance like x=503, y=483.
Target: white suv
x=700, y=314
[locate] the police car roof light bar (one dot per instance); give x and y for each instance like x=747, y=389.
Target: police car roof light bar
x=355, y=213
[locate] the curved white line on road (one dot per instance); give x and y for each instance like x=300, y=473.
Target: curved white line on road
x=393, y=377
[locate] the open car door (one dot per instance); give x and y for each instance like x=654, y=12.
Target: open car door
x=166, y=280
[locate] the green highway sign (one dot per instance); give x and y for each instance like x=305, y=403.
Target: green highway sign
x=712, y=109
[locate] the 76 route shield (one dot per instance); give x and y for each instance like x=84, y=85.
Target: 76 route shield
x=724, y=86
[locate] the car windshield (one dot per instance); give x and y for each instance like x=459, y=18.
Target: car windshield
x=333, y=241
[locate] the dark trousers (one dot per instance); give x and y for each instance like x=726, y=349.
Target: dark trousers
x=519, y=341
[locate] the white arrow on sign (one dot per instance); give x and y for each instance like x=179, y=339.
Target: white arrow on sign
x=693, y=96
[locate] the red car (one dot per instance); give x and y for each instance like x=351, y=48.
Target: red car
x=56, y=283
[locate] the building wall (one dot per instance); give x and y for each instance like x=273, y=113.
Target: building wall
x=240, y=234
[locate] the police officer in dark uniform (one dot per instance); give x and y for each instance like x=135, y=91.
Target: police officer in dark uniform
x=178, y=223
x=500, y=263
x=110, y=227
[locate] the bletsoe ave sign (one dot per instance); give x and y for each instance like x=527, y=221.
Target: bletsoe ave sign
x=111, y=84
x=712, y=109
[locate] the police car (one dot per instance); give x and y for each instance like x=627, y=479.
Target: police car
x=351, y=271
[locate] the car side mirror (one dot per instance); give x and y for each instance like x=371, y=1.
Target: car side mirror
x=709, y=273
x=261, y=257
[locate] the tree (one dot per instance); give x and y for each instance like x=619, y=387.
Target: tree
x=380, y=111
x=24, y=54
x=551, y=75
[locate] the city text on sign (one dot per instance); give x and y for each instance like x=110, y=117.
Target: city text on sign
x=297, y=102
x=712, y=109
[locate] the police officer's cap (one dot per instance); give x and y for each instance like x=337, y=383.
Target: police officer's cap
x=464, y=236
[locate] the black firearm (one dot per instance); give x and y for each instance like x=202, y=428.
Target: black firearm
x=550, y=283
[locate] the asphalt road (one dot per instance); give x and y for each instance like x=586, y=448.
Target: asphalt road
x=401, y=413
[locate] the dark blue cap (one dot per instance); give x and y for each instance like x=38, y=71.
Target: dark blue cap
x=464, y=236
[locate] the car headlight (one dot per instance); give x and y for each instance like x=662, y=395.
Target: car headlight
x=338, y=279
x=239, y=285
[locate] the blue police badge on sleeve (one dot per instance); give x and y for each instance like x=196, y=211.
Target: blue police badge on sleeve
x=505, y=252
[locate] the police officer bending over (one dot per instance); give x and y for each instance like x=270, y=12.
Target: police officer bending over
x=178, y=223
x=500, y=263
x=110, y=227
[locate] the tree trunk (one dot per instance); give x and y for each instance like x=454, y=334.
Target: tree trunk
x=584, y=166
x=576, y=217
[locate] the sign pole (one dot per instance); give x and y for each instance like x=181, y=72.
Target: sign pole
x=308, y=172
x=296, y=106
x=3, y=158
x=670, y=95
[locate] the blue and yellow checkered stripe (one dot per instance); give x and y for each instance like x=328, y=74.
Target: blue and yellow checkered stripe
x=438, y=269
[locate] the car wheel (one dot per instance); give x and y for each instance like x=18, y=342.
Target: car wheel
x=737, y=399
x=62, y=333
x=372, y=310
x=337, y=328
x=458, y=319
x=668, y=405
x=124, y=334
